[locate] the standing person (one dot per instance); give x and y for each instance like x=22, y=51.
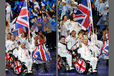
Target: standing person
x=13, y=42
x=95, y=41
x=63, y=52
x=8, y=12
x=8, y=42
x=41, y=50
x=24, y=56
x=75, y=25
x=64, y=9
x=40, y=45
x=64, y=26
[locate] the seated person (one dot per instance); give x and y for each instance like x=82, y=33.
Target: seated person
x=24, y=56
x=71, y=42
x=63, y=52
x=86, y=54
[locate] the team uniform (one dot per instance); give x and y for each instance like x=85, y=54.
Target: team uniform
x=86, y=54
x=65, y=28
x=23, y=56
x=63, y=52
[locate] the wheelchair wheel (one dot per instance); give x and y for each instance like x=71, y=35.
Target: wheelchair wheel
x=17, y=67
x=81, y=66
x=7, y=59
x=11, y=61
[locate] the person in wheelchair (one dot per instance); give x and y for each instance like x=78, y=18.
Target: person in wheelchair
x=72, y=43
x=24, y=56
x=86, y=54
x=63, y=52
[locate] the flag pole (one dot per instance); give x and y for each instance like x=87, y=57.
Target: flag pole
x=28, y=21
x=91, y=17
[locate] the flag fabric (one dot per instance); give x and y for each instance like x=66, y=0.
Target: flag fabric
x=23, y=18
x=76, y=44
x=105, y=49
x=22, y=21
x=19, y=31
x=59, y=62
x=84, y=15
x=41, y=53
x=11, y=62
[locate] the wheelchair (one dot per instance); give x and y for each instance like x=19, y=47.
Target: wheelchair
x=62, y=63
x=15, y=65
x=80, y=65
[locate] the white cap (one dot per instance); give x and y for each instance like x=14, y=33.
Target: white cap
x=64, y=1
x=75, y=3
x=107, y=5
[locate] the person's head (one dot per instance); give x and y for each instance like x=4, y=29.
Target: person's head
x=12, y=37
x=9, y=36
x=85, y=41
x=23, y=45
x=101, y=1
x=62, y=39
x=40, y=32
x=72, y=2
x=64, y=18
x=75, y=4
x=81, y=33
x=63, y=3
x=73, y=33
x=72, y=17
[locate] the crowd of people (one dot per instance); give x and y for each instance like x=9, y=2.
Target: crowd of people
x=73, y=37
x=42, y=24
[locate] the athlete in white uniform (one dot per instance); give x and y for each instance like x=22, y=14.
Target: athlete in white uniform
x=24, y=56
x=63, y=52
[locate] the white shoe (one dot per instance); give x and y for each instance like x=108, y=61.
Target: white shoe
x=71, y=68
x=94, y=70
x=6, y=69
x=29, y=71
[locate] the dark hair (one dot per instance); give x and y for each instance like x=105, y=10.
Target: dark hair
x=71, y=17
x=63, y=17
x=81, y=31
x=61, y=37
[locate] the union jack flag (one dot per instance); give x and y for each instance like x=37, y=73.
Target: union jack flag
x=17, y=67
x=41, y=53
x=7, y=59
x=59, y=62
x=19, y=31
x=84, y=15
x=105, y=48
x=80, y=66
x=76, y=44
x=22, y=20
x=11, y=62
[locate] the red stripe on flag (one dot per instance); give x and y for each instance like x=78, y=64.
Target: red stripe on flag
x=42, y=53
x=22, y=23
x=23, y=12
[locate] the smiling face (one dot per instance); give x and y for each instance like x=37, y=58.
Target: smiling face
x=12, y=37
x=65, y=18
x=23, y=45
x=63, y=40
x=9, y=36
x=73, y=33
